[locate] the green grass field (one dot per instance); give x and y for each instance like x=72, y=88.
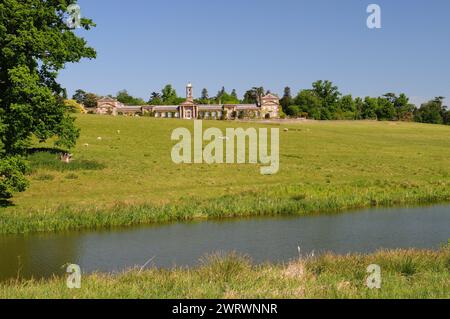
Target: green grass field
x=128, y=177
x=405, y=274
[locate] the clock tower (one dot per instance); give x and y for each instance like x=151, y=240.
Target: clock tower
x=189, y=92
x=188, y=109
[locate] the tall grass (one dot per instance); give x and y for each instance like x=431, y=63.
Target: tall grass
x=219, y=276
x=244, y=205
x=49, y=161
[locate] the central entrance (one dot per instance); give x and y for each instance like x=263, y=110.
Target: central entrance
x=189, y=114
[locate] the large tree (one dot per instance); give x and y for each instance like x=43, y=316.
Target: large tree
x=35, y=43
x=205, y=94
x=79, y=96
x=169, y=95
x=254, y=95
x=124, y=97
x=329, y=95
x=308, y=103
x=155, y=98
x=88, y=100
x=434, y=112
x=286, y=100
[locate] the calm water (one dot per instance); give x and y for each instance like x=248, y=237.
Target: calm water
x=268, y=239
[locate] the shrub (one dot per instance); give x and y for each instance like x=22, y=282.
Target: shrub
x=12, y=176
x=74, y=107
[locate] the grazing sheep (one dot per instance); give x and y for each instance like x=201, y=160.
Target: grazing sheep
x=99, y=138
x=66, y=157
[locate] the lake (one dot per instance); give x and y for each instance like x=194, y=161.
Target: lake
x=263, y=239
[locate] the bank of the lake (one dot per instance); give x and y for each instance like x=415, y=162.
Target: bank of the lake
x=127, y=176
x=405, y=274
x=247, y=205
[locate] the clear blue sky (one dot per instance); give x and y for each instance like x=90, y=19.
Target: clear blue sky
x=143, y=45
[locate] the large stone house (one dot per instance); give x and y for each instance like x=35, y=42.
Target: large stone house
x=269, y=108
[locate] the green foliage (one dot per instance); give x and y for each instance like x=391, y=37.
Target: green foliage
x=12, y=176
x=35, y=44
x=254, y=95
x=127, y=99
x=385, y=109
x=287, y=99
x=88, y=100
x=293, y=110
x=79, y=96
x=155, y=99
x=327, y=93
x=433, y=112
x=369, y=108
x=169, y=95
x=308, y=102
x=325, y=102
x=224, y=98
x=74, y=107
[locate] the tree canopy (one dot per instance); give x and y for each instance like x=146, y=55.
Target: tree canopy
x=127, y=99
x=35, y=44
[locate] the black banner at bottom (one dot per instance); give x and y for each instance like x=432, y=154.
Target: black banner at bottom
x=221, y=308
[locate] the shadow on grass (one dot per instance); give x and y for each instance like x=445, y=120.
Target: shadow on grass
x=50, y=150
x=49, y=158
x=6, y=203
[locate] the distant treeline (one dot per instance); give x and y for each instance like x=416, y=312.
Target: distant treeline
x=322, y=102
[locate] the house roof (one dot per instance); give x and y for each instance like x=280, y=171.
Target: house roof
x=247, y=107
x=163, y=108
x=129, y=108
x=107, y=99
x=270, y=96
x=188, y=102
x=212, y=107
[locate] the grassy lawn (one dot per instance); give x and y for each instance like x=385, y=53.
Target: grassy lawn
x=405, y=274
x=128, y=177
